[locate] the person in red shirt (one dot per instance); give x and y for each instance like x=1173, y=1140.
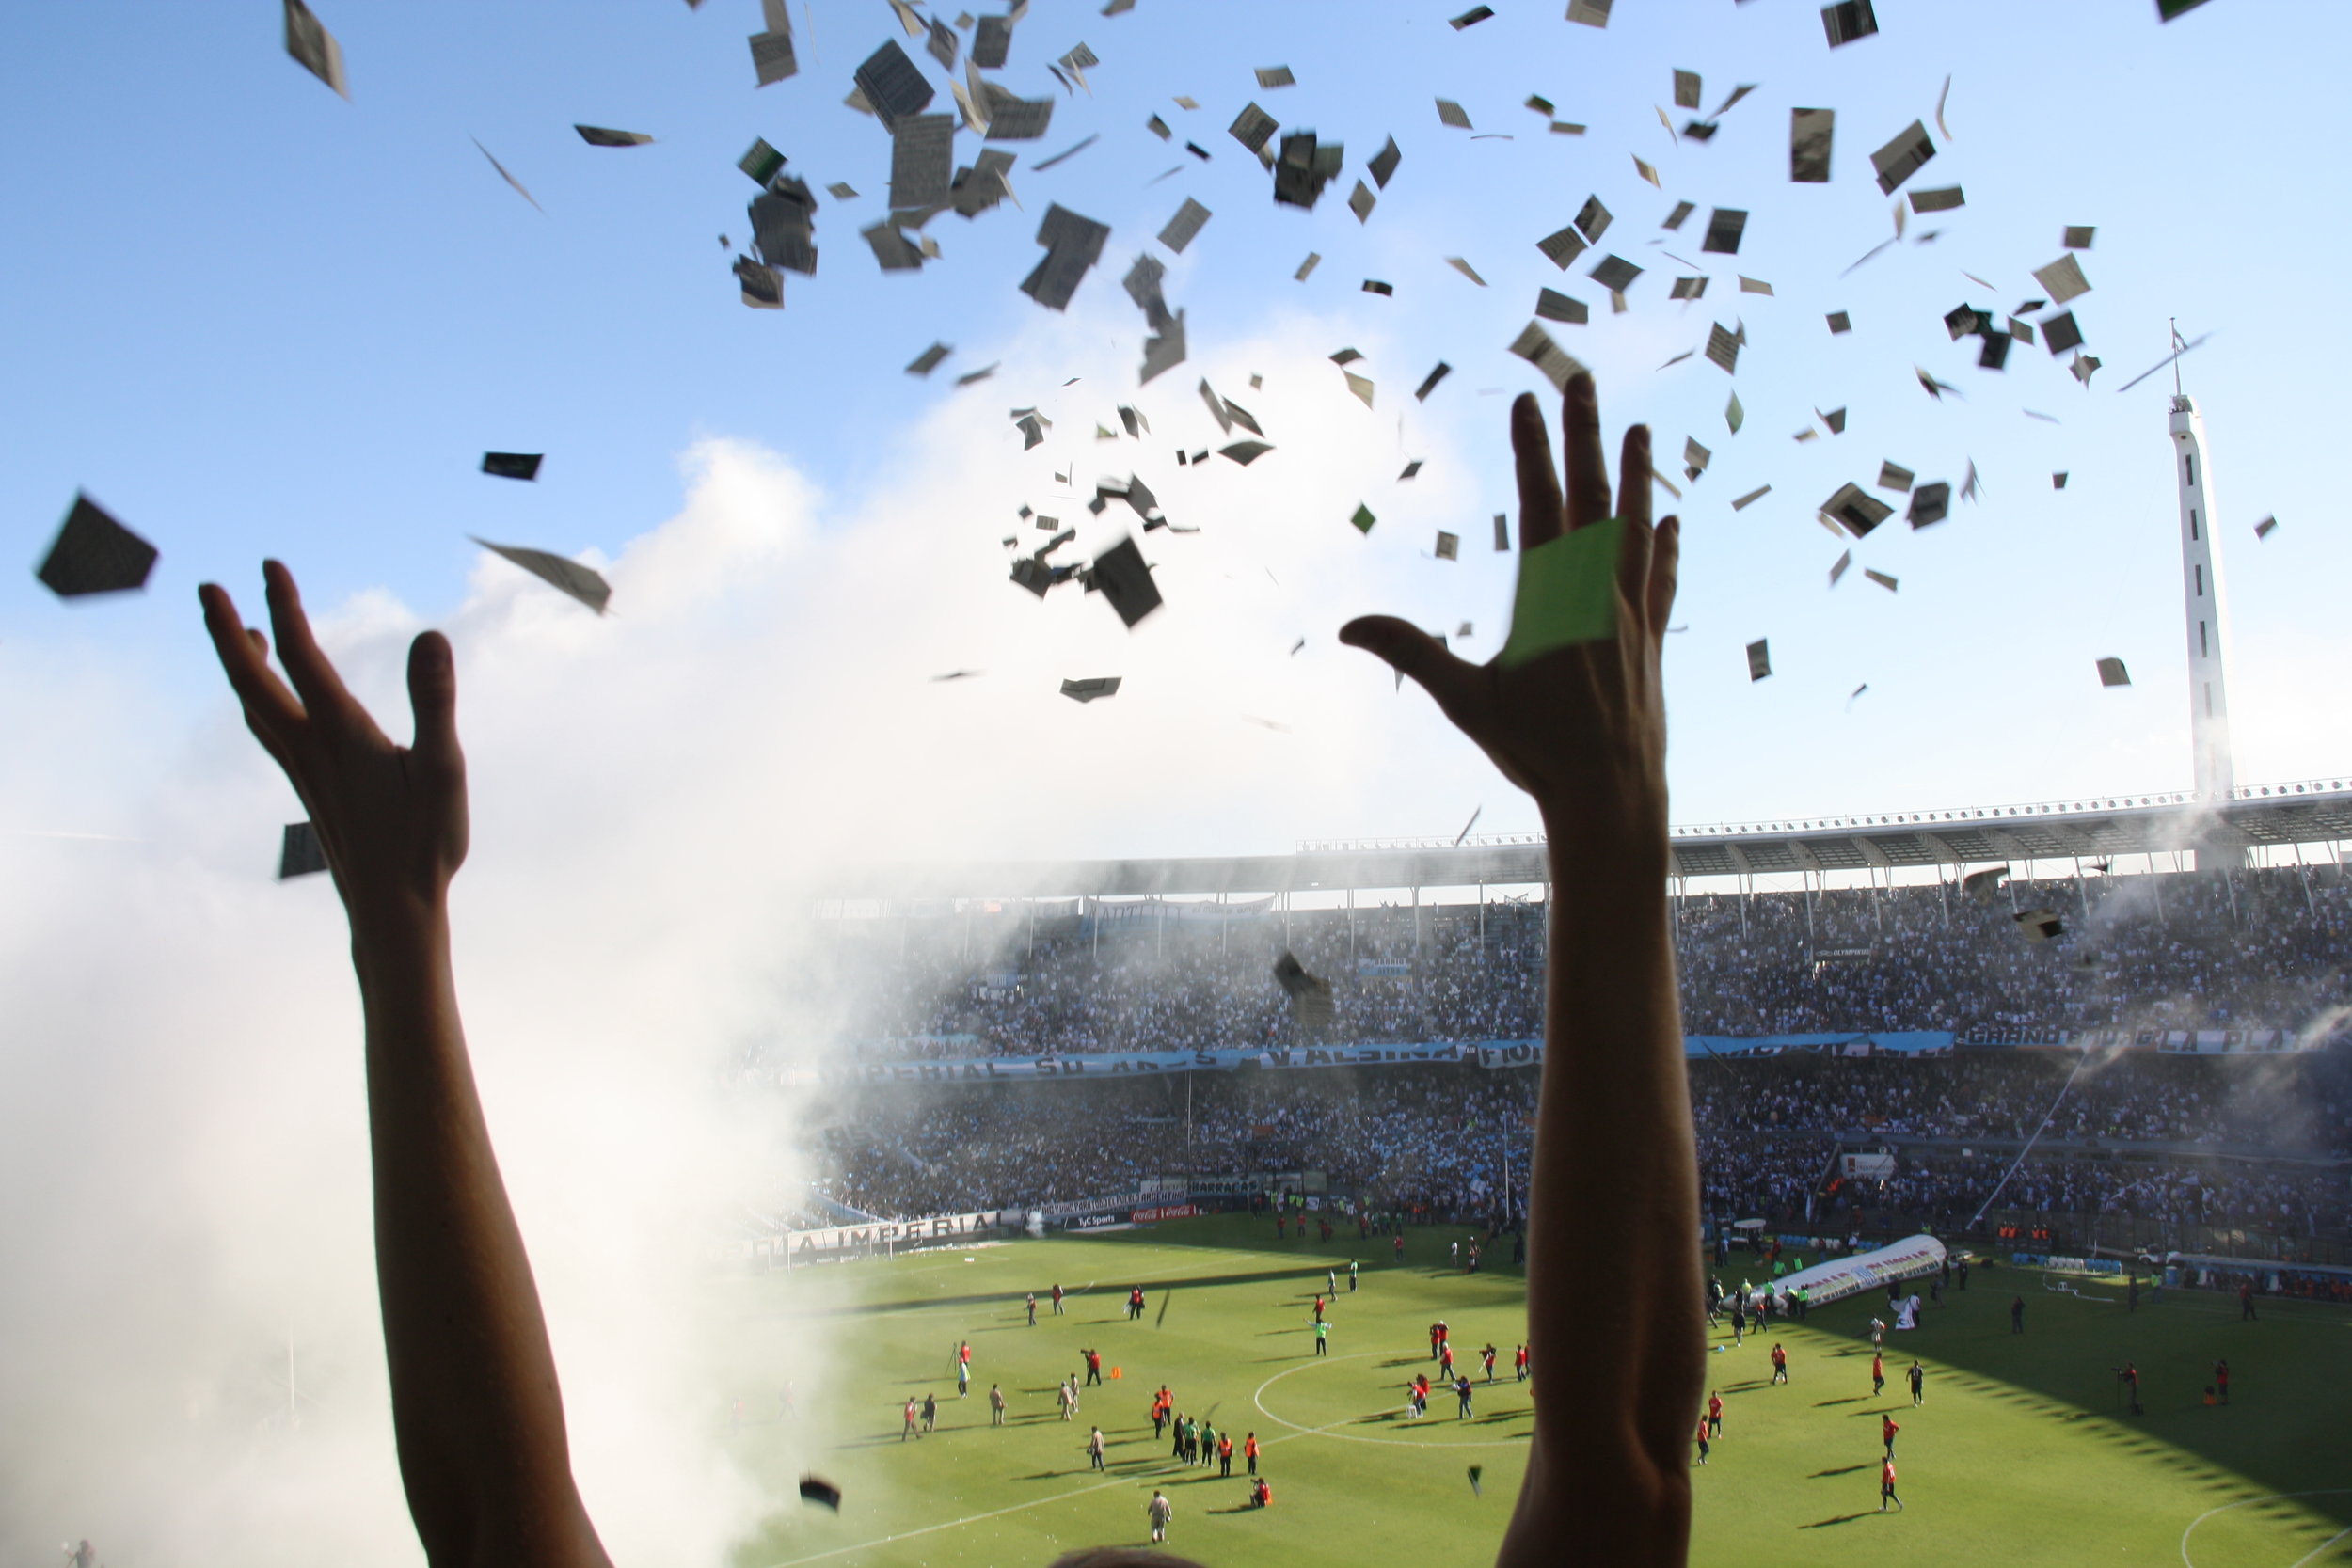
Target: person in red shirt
x=1487, y=1355
x=1878, y=1374
x=1887, y=1486
x=1249, y=1451
x=1057, y=1301
x=1520, y=1362
x=1702, y=1439
x=1398, y=1241
x=2221, y=1379
x=1262, y=1495
x=1780, y=1365
x=1714, y=1413
x=1445, y=1361
x=1318, y=1308
x=1437, y=1337
x=1887, y=1428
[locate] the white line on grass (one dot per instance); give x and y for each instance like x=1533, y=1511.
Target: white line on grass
x=1037, y=1502
x=2274, y=1497
x=1324, y=1430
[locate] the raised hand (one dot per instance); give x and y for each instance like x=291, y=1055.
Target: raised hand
x=1582, y=728
x=391, y=818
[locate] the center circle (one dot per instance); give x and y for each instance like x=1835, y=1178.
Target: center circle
x=1435, y=1427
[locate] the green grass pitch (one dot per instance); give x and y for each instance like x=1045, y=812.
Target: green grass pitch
x=2022, y=1453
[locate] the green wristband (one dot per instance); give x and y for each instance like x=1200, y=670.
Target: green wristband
x=1567, y=592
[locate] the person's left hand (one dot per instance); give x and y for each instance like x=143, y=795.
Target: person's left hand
x=391, y=818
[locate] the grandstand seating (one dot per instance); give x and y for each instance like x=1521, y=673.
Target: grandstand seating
x=2267, y=948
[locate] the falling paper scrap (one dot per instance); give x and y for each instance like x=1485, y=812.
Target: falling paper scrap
x=1363, y=519
x=299, y=853
x=1759, y=659
x=1839, y=322
x=1858, y=511
x=1120, y=572
x=1311, y=997
x=1725, y=227
x=313, y=47
x=2040, y=925
x=1837, y=568
x=580, y=582
x=2261, y=530
x=1894, y=476
x=892, y=85
x=1276, y=76
x=1086, y=691
x=1246, y=452
x=1183, y=226
x=2077, y=238
x=1881, y=578
x=1072, y=246
x=1901, y=158
x=762, y=287
x=929, y=360
x=1848, y=20
x=596, y=135
x=1534, y=345
x=1554, y=305
x=1453, y=114
x=1448, y=546
x=1502, y=531
x=1755, y=494
x=503, y=175
x=512, y=464
x=2062, y=280
x=1429, y=382
x=814, y=1490
x=1930, y=504
x=2111, y=672
x=94, y=554
x=1811, y=133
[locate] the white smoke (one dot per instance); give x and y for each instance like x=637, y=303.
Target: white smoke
x=656, y=796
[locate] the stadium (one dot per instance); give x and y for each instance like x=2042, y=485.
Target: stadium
x=950, y=1072
x=1087, y=1075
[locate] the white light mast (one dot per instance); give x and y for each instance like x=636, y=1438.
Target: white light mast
x=2208, y=615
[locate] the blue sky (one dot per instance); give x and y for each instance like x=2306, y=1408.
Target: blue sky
x=251, y=317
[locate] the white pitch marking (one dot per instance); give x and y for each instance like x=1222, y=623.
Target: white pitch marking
x=2325, y=1492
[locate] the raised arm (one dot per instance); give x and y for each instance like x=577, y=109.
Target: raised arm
x=1615, y=1331
x=476, y=1411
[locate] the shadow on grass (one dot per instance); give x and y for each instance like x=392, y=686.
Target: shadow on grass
x=1847, y=1470
x=1839, y=1519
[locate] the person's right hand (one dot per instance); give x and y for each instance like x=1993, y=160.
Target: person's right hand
x=1582, y=728
x=391, y=818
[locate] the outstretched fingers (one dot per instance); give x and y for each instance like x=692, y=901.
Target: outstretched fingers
x=269, y=708
x=433, y=699
x=323, y=692
x=1587, y=470
x=1540, y=480
x=1665, y=569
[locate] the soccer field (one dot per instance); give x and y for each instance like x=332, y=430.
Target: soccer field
x=2020, y=1453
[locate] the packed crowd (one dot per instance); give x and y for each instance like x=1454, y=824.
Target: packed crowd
x=2266, y=948
x=1455, y=1141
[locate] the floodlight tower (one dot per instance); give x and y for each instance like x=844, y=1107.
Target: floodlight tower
x=2208, y=613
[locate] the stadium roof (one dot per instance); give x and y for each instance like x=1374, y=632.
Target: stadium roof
x=2313, y=812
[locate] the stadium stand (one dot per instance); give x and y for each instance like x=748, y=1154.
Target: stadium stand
x=2261, y=948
